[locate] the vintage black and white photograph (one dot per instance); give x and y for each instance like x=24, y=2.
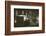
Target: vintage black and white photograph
x=26, y=17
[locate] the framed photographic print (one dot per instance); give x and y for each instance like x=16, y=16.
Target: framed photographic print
x=24, y=18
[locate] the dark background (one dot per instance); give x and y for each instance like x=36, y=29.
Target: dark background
x=33, y=13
